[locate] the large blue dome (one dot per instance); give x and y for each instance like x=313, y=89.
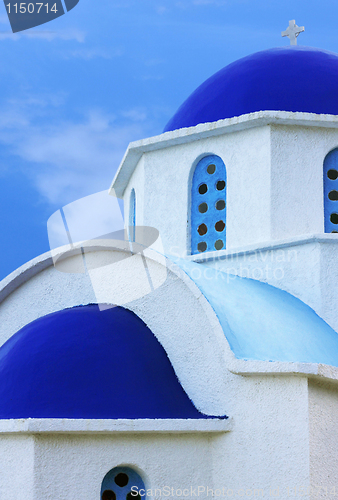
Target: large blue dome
x=87, y=363
x=283, y=79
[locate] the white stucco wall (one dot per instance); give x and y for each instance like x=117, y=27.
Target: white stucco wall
x=74, y=466
x=164, y=177
x=323, y=419
x=297, y=158
x=268, y=449
x=17, y=467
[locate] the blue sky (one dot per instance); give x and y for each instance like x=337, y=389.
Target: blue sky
x=74, y=92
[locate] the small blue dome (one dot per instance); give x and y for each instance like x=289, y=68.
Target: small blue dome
x=87, y=363
x=262, y=322
x=283, y=79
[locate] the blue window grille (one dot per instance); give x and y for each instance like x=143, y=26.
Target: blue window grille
x=132, y=215
x=122, y=483
x=208, y=206
x=331, y=192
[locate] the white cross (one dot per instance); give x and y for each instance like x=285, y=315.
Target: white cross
x=293, y=31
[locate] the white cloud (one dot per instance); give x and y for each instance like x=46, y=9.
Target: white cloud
x=136, y=114
x=66, y=159
x=161, y=9
x=49, y=36
x=76, y=158
x=88, y=54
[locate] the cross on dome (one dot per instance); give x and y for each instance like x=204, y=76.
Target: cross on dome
x=293, y=31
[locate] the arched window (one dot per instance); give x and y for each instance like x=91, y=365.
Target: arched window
x=208, y=206
x=122, y=483
x=132, y=215
x=331, y=192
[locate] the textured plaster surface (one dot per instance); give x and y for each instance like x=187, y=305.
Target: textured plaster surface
x=269, y=446
x=17, y=467
x=323, y=417
x=161, y=460
x=297, y=158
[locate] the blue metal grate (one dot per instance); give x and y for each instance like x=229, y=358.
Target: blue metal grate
x=122, y=483
x=208, y=206
x=331, y=192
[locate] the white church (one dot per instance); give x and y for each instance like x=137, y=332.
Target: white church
x=198, y=355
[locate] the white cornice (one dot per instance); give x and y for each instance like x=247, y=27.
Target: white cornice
x=261, y=247
x=106, y=426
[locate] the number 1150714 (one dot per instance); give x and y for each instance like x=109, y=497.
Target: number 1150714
x=31, y=8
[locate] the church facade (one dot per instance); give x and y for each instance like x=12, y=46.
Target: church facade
x=215, y=373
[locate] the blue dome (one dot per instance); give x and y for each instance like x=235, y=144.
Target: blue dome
x=282, y=79
x=87, y=363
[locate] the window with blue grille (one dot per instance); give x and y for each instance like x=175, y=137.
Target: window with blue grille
x=122, y=483
x=331, y=192
x=132, y=215
x=208, y=206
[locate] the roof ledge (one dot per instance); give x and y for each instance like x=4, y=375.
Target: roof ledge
x=107, y=426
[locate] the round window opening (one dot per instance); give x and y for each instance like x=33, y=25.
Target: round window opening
x=202, y=229
x=219, y=226
x=201, y=247
x=219, y=245
x=211, y=168
x=333, y=195
x=220, y=185
x=332, y=174
x=334, y=218
x=203, y=189
x=220, y=205
x=108, y=495
x=121, y=479
x=203, y=208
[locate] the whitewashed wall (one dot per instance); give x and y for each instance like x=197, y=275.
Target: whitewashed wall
x=166, y=179
x=274, y=188
x=268, y=450
x=17, y=467
x=323, y=417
